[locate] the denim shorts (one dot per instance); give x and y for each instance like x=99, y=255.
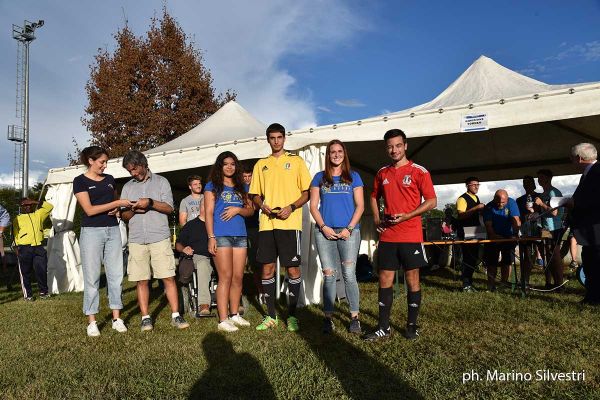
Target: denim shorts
x=232, y=241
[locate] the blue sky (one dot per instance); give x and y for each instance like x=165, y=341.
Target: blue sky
x=302, y=63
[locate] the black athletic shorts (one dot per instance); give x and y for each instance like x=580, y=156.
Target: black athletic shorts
x=282, y=243
x=393, y=256
x=504, y=251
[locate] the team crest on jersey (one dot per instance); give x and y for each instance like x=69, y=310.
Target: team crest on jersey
x=110, y=185
x=229, y=197
x=287, y=165
x=506, y=212
x=406, y=181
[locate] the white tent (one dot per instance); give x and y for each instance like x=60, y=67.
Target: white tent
x=529, y=125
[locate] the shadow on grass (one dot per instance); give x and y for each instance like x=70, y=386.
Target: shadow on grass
x=360, y=374
x=130, y=309
x=9, y=298
x=230, y=374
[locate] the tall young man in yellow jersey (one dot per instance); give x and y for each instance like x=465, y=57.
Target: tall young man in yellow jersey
x=279, y=188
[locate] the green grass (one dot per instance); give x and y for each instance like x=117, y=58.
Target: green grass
x=45, y=353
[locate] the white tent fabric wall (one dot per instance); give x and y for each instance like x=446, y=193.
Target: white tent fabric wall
x=64, y=261
x=311, y=264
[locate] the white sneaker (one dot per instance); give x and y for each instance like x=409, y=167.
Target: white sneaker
x=92, y=329
x=239, y=321
x=119, y=326
x=227, y=326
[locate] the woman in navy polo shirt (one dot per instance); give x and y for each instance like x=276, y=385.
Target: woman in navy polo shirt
x=100, y=237
x=336, y=204
x=226, y=204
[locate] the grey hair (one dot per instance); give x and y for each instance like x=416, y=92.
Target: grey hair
x=586, y=151
x=135, y=158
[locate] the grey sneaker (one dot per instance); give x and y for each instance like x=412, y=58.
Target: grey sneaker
x=147, y=324
x=179, y=323
x=355, y=326
x=328, y=326
x=44, y=296
x=30, y=298
x=469, y=289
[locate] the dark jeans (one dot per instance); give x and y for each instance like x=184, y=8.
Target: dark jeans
x=33, y=258
x=590, y=256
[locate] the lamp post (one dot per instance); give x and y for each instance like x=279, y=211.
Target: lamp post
x=25, y=35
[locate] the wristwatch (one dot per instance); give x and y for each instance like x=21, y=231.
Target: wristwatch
x=150, y=204
x=350, y=228
x=293, y=207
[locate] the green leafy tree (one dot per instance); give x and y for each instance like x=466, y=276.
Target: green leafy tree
x=149, y=91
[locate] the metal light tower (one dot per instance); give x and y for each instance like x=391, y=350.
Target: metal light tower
x=20, y=134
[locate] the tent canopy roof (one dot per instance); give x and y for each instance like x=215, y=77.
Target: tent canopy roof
x=230, y=122
x=486, y=80
x=531, y=124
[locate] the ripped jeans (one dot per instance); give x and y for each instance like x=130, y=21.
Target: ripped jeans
x=336, y=255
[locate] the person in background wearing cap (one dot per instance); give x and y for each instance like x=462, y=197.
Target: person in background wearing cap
x=28, y=231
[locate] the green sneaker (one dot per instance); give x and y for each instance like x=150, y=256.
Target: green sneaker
x=268, y=323
x=292, y=324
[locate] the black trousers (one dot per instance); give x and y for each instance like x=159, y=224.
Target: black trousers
x=33, y=258
x=590, y=256
x=470, y=259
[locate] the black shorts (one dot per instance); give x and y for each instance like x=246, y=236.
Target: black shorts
x=282, y=243
x=493, y=251
x=393, y=256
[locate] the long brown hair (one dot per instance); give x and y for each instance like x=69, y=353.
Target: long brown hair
x=217, y=177
x=346, y=177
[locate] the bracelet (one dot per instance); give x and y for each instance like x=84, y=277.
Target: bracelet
x=350, y=228
x=293, y=207
x=150, y=204
x=321, y=227
x=212, y=237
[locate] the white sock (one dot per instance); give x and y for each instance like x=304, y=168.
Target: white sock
x=145, y=316
x=174, y=315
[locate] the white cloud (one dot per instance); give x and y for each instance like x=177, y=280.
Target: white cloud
x=244, y=44
x=349, y=103
x=577, y=53
x=589, y=51
x=35, y=176
x=324, y=109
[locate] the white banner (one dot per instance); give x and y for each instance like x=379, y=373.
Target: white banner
x=474, y=123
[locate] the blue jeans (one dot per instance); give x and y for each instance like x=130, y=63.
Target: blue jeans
x=101, y=246
x=232, y=241
x=339, y=255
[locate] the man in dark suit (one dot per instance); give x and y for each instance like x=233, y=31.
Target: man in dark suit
x=585, y=217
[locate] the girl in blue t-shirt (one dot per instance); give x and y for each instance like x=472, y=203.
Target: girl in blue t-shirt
x=336, y=204
x=100, y=237
x=226, y=204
